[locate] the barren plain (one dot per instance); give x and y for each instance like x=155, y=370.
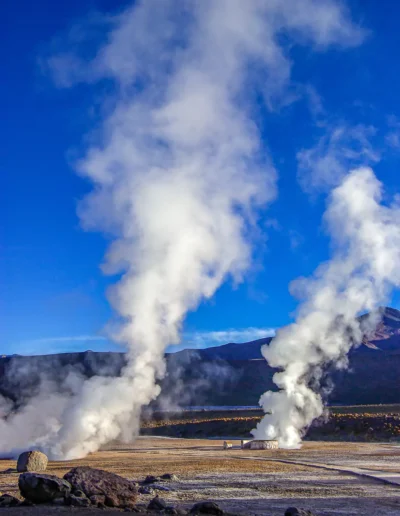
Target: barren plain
x=248, y=482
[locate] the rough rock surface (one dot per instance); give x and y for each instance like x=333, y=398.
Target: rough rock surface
x=40, y=488
x=294, y=511
x=32, y=461
x=117, y=491
x=206, y=508
x=78, y=499
x=98, y=500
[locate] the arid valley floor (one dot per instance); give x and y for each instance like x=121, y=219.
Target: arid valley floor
x=353, y=470
x=249, y=482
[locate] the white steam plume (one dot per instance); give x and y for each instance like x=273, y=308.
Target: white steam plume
x=178, y=177
x=359, y=277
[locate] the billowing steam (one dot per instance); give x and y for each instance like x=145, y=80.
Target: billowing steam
x=178, y=178
x=360, y=276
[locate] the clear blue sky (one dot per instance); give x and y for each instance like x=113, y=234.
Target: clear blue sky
x=52, y=292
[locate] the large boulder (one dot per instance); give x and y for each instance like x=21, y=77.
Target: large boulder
x=117, y=491
x=40, y=488
x=32, y=461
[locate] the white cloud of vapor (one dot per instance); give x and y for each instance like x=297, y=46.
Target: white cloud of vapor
x=359, y=277
x=178, y=177
x=341, y=148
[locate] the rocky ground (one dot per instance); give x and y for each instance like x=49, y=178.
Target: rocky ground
x=242, y=481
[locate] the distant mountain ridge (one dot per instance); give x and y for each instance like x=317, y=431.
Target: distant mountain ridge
x=385, y=337
x=233, y=351
x=231, y=374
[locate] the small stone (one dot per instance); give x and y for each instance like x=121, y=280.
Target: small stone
x=169, y=476
x=146, y=490
x=150, y=479
x=32, y=461
x=171, y=510
x=157, y=504
x=294, y=511
x=206, y=508
x=7, y=500
x=9, y=471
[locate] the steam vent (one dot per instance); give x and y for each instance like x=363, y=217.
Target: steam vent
x=257, y=444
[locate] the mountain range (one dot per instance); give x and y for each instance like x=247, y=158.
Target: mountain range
x=231, y=374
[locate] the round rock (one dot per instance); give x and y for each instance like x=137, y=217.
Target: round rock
x=32, y=461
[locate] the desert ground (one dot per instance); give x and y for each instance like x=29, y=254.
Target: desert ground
x=248, y=482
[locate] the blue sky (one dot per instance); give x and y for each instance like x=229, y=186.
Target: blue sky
x=53, y=293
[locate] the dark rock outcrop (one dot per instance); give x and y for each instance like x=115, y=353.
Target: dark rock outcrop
x=117, y=491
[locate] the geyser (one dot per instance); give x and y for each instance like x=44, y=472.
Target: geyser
x=359, y=278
